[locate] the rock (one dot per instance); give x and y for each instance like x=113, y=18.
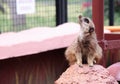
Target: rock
x=86, y=75
x=114, y=70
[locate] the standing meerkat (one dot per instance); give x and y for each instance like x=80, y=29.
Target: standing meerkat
x=85, y=48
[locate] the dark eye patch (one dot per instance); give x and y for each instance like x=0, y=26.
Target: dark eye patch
x=86, y=20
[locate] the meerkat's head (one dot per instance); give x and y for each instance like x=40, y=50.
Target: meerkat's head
x=86, y=24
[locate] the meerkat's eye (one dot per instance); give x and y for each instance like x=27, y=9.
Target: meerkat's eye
x=86, y=20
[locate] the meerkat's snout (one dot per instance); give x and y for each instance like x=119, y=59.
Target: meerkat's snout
x=91, y=29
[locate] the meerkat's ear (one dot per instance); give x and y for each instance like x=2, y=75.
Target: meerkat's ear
x=80, y=16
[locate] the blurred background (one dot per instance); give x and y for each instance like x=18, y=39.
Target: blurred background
x=45, y=13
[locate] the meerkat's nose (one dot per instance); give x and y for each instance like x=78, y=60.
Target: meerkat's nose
x=91, y=29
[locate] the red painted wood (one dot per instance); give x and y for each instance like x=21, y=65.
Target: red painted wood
x=112, y=36
x=113, y=44
x=107, y=41
x=41, y=68
x=98, y=16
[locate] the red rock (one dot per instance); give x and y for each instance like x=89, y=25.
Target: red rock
x=114, y=70
x=86, y=75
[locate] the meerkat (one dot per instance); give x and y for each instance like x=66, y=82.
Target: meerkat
x=85, y=48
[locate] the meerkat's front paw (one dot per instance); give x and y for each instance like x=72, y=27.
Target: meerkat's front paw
x=80, y=64
x=90, y=64
x=90, y=61
x=94, y=61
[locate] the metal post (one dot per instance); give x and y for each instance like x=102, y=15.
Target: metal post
x=61, y=11
x=111, y=12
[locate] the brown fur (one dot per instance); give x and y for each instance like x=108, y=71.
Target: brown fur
x=85, y=48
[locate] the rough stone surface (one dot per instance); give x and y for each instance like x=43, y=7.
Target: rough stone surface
x=114, y=70
x=86, y=75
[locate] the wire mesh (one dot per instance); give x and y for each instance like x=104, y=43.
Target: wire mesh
x=79, y=7
x=10, y=20
x=44, y=15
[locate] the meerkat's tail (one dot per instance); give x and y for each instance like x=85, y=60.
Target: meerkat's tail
x=70, y=56
x=98, y=58
x=98, y=54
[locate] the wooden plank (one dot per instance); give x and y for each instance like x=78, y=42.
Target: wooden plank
x=41, y=68
x=112, y=36
x=113, y=44
x=113, y=28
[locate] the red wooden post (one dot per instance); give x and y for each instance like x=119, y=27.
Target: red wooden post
x=98, y=16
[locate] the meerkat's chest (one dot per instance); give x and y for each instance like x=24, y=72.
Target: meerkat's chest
x=87, y=47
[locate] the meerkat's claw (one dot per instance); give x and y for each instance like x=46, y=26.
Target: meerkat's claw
x=95, y=61
x=90, y=65
x=80, y=64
